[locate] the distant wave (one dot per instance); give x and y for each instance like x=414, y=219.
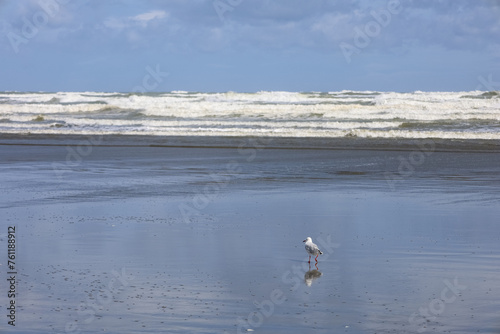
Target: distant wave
x=343, y=114
x=485, y=95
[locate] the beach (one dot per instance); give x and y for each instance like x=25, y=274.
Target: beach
x=264, y=167
x=207, y=238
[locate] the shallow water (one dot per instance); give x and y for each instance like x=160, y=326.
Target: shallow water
x=133, y=240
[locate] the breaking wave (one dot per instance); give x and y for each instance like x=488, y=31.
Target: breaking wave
x=344, y=114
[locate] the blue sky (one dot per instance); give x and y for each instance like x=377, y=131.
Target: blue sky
x=249, y=45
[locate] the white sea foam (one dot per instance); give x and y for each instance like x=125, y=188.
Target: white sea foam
x=457, y=115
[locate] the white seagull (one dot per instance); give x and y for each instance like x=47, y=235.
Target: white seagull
x=312, y=249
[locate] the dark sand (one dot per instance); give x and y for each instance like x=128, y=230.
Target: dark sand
x=199, y=240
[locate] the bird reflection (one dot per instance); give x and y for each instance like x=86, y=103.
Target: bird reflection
x=312, y=275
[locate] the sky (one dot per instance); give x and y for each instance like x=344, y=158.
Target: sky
x=249, y=45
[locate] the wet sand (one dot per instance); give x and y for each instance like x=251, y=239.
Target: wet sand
x=209, y=240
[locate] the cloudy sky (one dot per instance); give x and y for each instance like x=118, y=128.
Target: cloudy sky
x=249, y=45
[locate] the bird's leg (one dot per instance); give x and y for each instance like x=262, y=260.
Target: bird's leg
x=309, y=259
x=316, y=258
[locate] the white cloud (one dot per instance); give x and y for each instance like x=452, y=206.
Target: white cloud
x=319, y=25
x=334, y=26
x=152, y=15
x=114, y=23
x=142, y=20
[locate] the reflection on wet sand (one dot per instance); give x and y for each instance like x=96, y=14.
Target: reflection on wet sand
x=312, y=275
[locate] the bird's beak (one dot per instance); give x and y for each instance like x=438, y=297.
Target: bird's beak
x=304, y=240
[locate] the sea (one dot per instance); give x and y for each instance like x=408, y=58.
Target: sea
x=154, y=237
x=471, y=115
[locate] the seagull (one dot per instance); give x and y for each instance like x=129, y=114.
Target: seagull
x=312, y=249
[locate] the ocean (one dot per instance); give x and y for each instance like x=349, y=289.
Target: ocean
x=346, y=114
x=185, y=212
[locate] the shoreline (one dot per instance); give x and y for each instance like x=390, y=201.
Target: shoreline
x=246, y=142
x=210, y=239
